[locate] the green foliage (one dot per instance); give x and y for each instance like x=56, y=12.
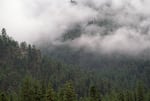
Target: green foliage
x=121, y=96
x=147, y=96
x=3, y=97
x=69, y=92
x=94, y=95
x=115, y=81
x=26, y=90
x=50, y=94
x=128, y=96
x=140, y=92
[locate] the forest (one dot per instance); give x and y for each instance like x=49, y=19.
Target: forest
x=28, y=73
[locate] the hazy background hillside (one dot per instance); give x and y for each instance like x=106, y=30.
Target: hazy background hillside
x=110, y=26
x=75, y=50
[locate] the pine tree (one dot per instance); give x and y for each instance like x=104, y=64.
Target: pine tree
x=129, y=96
x=50, y=94
x=26, y=90
x=147, y=96
x=3, y=97
x=61, y=94
x=134, y=96
x=140, y=92
x=23, y=46
x=69, y=93
x=37, y=92
x=94, y=96
x=4, y=32
x=43, y=90
x=121, y=96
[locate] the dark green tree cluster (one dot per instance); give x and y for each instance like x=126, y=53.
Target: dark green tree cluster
x=32, y=90
x=28, y=75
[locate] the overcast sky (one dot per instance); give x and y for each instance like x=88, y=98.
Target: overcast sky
x=118, y=25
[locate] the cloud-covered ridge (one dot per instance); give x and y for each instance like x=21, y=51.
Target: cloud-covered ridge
x=106, y=26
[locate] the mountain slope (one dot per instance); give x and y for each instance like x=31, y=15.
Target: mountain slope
x=19, y=61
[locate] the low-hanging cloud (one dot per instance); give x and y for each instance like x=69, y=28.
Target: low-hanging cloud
x=41, y=18
x=106, y=26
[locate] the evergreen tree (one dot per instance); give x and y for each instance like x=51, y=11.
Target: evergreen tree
x=50, y=94
x=121, y=96
x=61, y=94
x=94, y=95
x=37, y=92
x=3, y=97
x=26, y=90
x=134, y=96
x=23, y=46
x=148, y=96
x=4, y=32
x=140, y=92
x=43, y=90
x=69, y=93
x=129, y=96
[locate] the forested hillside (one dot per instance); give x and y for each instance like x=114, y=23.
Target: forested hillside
x=26, y=74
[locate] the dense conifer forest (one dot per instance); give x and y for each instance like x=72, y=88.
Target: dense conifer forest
x=27, y=74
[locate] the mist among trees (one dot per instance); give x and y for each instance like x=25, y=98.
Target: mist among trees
x=26, y=74
x=75, y=50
